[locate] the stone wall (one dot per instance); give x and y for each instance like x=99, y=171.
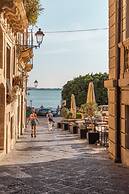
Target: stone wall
x=112, y=75
x=2, y=116
x=10, y=126
x=122, y=80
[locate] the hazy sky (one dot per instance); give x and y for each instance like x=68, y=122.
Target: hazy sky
x=65, y=56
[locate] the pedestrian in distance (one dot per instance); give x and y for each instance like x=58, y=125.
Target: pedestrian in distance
x=58, y=110
x=33, y=121
x=50, y=121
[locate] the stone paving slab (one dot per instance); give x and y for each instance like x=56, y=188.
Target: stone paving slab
x=60, y=163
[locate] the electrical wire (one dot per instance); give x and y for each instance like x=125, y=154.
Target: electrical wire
x=74, y=31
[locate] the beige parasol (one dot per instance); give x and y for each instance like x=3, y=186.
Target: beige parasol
x=91, y=94
x=91, y=103
x=73, y=106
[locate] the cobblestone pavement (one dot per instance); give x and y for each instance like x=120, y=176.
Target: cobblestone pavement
x=59, y=162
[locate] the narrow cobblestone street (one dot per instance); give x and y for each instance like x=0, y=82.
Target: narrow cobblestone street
x=59, y=162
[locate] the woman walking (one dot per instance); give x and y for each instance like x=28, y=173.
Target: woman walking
x=50, y=120
x=33, y=121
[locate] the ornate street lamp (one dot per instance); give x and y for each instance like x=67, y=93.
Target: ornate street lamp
x=35, y=83
x=39, y=37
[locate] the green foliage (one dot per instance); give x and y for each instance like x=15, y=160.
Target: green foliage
x=64, y=112
x=89, y=109
x=69, y=116
x=78, y=115
x=33, y=9
x=79, y=87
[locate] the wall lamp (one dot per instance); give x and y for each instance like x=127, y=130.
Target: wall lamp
x=39, y=38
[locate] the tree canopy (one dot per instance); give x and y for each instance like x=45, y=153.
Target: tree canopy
x=33, y=9
x=79, y=86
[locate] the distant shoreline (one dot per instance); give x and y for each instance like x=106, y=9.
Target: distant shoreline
x=32, y=88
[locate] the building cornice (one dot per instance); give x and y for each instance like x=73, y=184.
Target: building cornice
x=125, y=43
x=15, y=14
x=111, y=83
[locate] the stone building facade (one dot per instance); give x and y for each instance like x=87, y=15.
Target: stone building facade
x=118, y=83
x=14, y=58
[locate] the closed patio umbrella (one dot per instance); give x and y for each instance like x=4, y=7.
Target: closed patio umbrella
x=91, y=94
x=73, y=106
x=91, y=102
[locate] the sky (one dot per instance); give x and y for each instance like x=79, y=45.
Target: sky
x=64, y=56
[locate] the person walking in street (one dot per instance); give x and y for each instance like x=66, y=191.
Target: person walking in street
x=50, y=121
x=33, y=121
x=58, y=110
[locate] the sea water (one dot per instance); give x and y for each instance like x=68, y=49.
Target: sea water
x=44, y=97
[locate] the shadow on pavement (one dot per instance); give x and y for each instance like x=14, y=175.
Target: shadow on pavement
x=75, y=175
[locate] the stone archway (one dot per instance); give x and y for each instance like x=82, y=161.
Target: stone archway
x=2, y=115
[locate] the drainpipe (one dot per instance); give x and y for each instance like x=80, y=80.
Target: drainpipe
x=21, y=130
x=117, y=89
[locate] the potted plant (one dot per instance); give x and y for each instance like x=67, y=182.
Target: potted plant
x=83, y=131
x=65, y=114
x=89, y=110
x=73, y=128
x=79, y=115
x=69, y=115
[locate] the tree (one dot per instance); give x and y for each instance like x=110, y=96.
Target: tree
x=79, y=86
x=33, y=9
